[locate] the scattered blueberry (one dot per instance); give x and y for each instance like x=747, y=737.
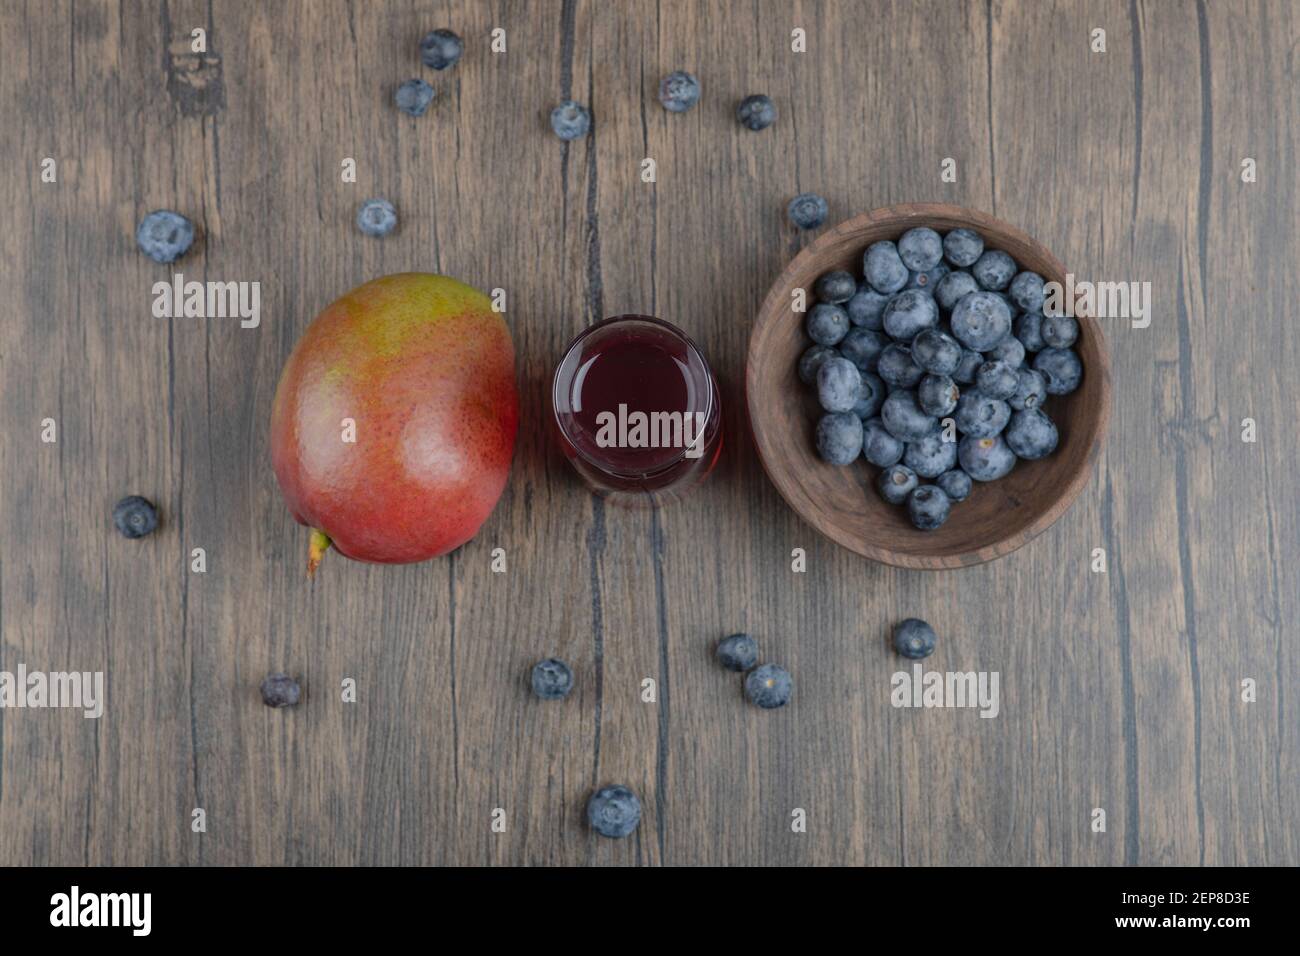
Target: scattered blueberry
x=981, y=320
x=927, y=281
x=878, y=446
x=164, y=236
x=1061, y=368
x=570, y=120
x=996, y=379
x=835, y=287
x=552, y=679
x=980, y=416
x=956, y=484
x=679, y=91
x=904, y=418
x=1059, y=331
x=883, y=268
x=826, y=324
x=614, y=812
x=920, y=249
x=896, y=483
x=807, y=210
x=811, y=361
x=376, y=217
x=913, y=638
x=936, y=352
x=1009, y=350
x=867, y=308
x=930, y=456
x=870, y=396
x=928, y=507
x=756, y=112
x=993, y=270
x=739, y=652
x=910, y=312
x=1031, y=390
x=413, y=97
x=839, y=437
x=838, y=385
x=937, y=395
x=985, y=459
x=896, y=366
x=952, y=288
x=135, y=517
x=1026, y=291
x=1029, y=331
x=280, y=690
x=1031, y=434
x=862, y=347
x=769, y=686
x=967, y=367
x=441, y=49
x=963, y=247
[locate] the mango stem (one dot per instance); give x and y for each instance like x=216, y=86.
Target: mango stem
x=320, y=543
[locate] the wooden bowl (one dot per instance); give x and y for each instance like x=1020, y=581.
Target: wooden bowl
x=841, y=502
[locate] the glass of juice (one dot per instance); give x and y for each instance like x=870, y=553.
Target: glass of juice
x=637, y=409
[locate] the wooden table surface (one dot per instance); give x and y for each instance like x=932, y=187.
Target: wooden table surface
x=1120, y=690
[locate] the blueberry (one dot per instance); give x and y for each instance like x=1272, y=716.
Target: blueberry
x=985, y=459
x=1029, y=331
x=1026, y=291
x=441, y=49
x=135, y=517
x=867, y=308
x=913, y=638
x=910, y=312
x=870, y=396
x=835, y=287
x=739, y=652
x=952, y=288
x=896, y=483
x=967, y=367
x=1031, y=390
x=937, y=395
x=981, y=320
x=926, y=281
x=839, y=437
x=613, y=812
x=769, y=686
x=963, y=247
x=570, y=120
x=920, y=249
x=930, y=456
x=896, y=367
x=993, y=270
x=883, y=268
x=878, y=446
x=552, y=679
x=1059, y=331
x=413, y=97
x=980, y=416
x=936, y=352
x=376, y=217
x=756, y=112
x=811, y=361
x=807, y=210
x=904, y=417
x=1061, y=368
x=1031, y=434
x=1009, y=350
x=928, y=507
x=164, y=236
x=955, y=483
x=862, y=347
x=996, y=379
x=280, y=690
x=838, y=385
x=679, y=91
x=826, y=324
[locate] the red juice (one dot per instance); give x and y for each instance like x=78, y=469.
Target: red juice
x=636, y=406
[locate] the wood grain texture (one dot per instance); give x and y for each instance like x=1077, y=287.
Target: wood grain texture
x=1119, y=690
x=998, y=517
